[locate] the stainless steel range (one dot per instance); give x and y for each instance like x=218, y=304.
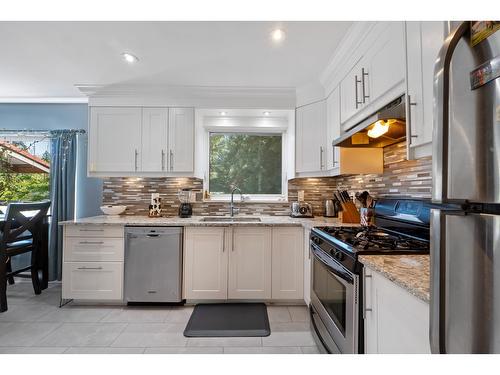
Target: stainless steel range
x=401, y=227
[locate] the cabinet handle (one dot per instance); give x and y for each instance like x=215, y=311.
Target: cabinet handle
x=135, y=160
x=171, y=160
x=321, y=166
x=333, y=155
x=90, y=268
x=162, y=160
x=408, y=120
x=366, y=309
x=356, y=81
x=91, y=242
x=91, y=230
x=232, y=239
x=363, y=75
x=224, y=240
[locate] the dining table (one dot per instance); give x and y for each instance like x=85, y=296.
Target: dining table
x=43, y=255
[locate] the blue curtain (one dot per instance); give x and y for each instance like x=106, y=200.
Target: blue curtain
x=62, y=193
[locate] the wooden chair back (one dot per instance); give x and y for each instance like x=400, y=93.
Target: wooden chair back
x=16, y=223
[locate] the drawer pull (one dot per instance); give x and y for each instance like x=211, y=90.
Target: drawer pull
x=90, y=268
x=91, y=230
x=91, y=242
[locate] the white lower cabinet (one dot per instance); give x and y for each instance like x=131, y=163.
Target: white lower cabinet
x=205, y=263
x=93, y=281
x=396, y=322
x=287, y=263
x=93, y=259
x=246, y=262
x=250, y=263
x=85, y=249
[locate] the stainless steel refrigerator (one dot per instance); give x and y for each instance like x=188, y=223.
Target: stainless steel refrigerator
x=465, y=242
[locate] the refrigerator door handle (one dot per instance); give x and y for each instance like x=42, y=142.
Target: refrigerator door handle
x=441, y=113
x=437, y=318
x=437, y=252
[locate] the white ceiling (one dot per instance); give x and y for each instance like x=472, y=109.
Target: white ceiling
x=46, y=59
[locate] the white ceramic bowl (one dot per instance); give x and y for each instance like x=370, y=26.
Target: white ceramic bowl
x=113, y=210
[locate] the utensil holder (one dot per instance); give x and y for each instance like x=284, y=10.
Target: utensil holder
x=349, y=213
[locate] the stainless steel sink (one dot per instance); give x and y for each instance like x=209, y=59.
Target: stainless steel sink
x=228, y=219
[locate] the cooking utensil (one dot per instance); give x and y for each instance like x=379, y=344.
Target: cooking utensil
x=337, y=196
x=362, y=198
x=370, y=201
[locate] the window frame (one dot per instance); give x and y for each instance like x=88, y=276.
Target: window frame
x=256, y=198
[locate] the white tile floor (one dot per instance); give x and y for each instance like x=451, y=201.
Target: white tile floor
x=35, y=324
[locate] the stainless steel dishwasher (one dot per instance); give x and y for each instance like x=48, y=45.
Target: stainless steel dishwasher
x=153, y=264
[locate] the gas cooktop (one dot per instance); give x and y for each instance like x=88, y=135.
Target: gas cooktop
x=373, y=240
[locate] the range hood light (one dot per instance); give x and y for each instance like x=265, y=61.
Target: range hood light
x=380, y=128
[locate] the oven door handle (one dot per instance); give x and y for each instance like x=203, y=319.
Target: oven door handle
x=333, y=266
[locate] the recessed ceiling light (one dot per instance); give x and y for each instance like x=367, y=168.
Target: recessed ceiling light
x=278, y=35
x=222, y=113
x=128, y=57
x=267, y=113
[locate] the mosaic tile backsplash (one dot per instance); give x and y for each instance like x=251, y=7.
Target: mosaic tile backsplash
x=401, y=177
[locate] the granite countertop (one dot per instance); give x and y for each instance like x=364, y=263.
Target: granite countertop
x=307, y=223
x=411, y=272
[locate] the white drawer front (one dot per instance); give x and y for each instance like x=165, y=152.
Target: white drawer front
x=93, y=281
x=93, y=249
x=93, y=230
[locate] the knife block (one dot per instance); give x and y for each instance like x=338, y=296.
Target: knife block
x=349, y=213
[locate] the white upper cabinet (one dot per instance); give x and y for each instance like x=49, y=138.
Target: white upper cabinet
x=310, y=138
x=332, y=129
x=181, y=139
x=383, y=71
x=423, y=42
x=351, y=92
x=370, y=71
x=154, y=139
x=135, y=141
x=114, y=139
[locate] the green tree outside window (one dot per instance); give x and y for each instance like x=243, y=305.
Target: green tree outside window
x=250, y=161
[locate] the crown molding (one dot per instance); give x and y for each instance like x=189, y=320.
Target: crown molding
x=192, y=96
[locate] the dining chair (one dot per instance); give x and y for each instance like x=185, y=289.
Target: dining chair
x=21, y=234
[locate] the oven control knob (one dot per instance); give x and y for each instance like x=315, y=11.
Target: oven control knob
x=339, y=255
x=316, y=240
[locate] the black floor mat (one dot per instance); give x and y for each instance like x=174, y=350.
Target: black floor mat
x=228, y=320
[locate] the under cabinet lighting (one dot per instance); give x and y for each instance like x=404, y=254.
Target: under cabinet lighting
x=267, y=113
x=222, y=113
x=128, y=57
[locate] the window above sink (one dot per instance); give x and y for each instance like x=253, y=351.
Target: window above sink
x=250, y=149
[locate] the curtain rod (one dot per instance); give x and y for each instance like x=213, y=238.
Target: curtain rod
x=16, y=131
